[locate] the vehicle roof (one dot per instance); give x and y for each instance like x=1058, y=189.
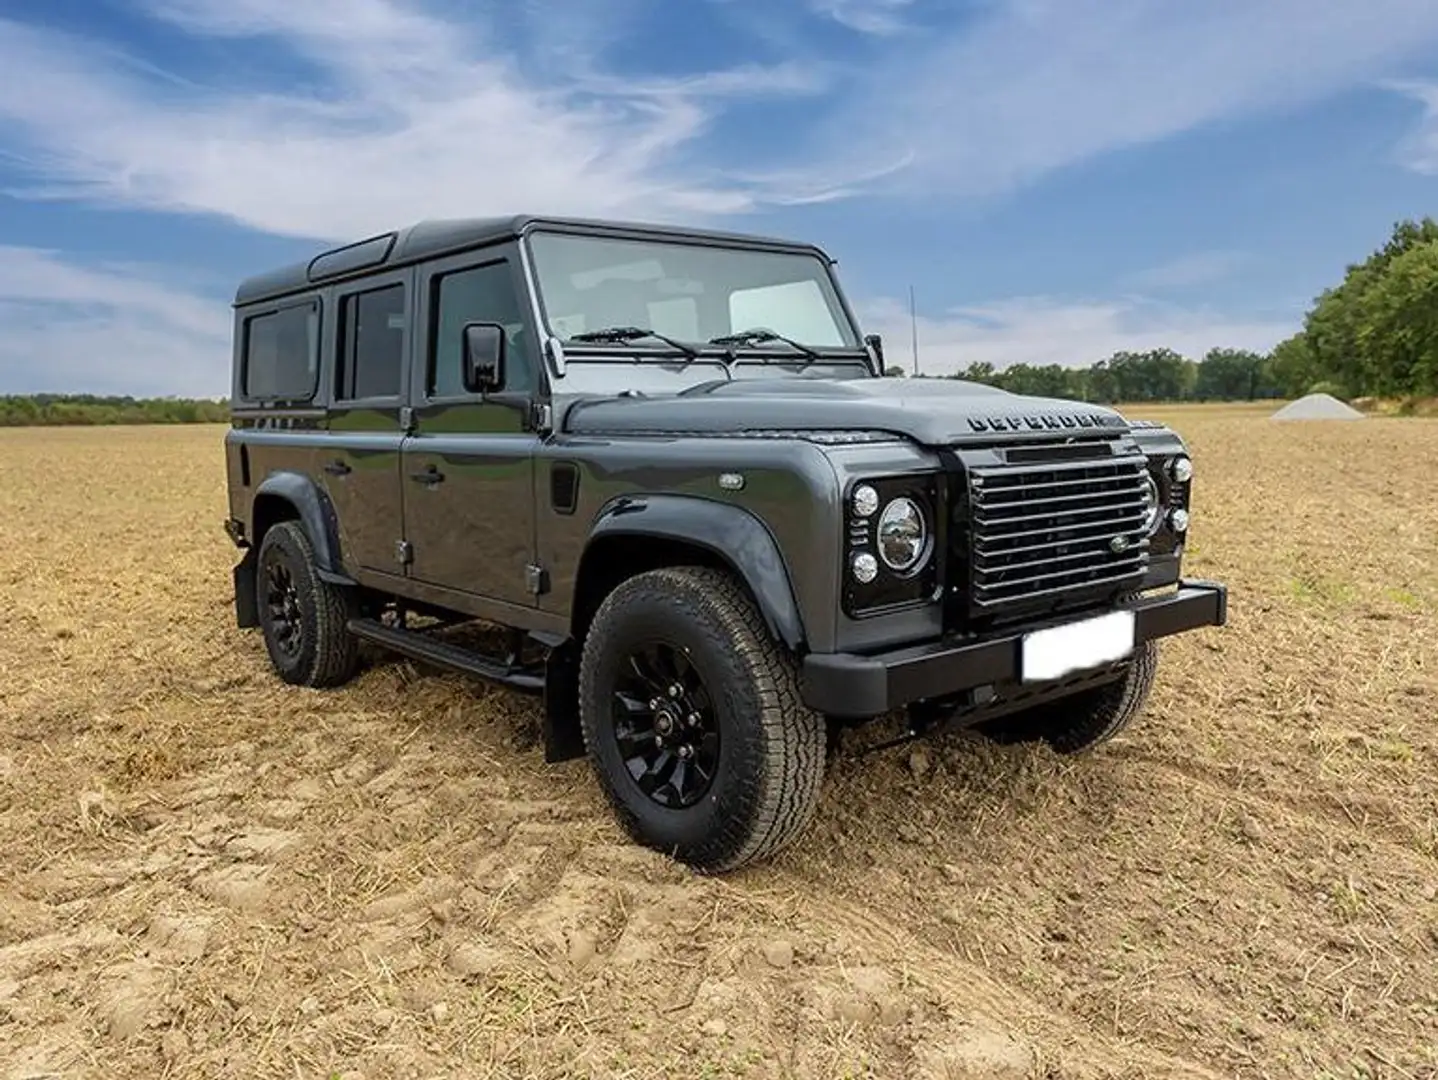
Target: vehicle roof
x=432, y=237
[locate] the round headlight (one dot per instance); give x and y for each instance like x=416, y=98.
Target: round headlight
x=1152, y=512
x=865, y=568
x=1181, y=469
x=902, y=535
x=1179, y=520
x=866, y=500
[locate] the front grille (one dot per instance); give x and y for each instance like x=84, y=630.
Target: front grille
x=1040, y=532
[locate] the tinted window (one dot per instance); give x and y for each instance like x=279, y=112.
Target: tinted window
x=282, y=354
x=478, y=294
x=372, y=343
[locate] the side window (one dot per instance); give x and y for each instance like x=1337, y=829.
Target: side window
x=371, y=344
x=282, y=352
x=476, y=294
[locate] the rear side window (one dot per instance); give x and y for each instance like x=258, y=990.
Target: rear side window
x=372, y=328
x=282, y=352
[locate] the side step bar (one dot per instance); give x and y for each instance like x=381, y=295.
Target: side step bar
x=442, y=654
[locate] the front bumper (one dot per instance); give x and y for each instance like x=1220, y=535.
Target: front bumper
x=851, y=685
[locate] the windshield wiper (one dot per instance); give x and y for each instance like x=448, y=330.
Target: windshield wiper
x=634, y=333
x=758, y=334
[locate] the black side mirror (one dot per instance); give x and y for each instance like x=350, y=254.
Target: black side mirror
x=483, y=357
x=876, y=343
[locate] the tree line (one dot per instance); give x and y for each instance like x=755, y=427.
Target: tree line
x=68, y=410
x=1374, y=334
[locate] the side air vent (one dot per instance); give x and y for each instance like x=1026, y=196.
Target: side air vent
x=564, y=487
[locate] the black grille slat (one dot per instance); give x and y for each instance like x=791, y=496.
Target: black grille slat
x=1105, y=527
x=1058, y=590
x=1083, y=484
x=988, y=563
x=1040, y=530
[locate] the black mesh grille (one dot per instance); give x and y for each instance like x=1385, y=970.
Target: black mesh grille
x=1040, y=531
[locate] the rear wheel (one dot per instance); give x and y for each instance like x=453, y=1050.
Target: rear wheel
x=693, y=722
x=303, y=618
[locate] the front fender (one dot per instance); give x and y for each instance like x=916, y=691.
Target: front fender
x=732, y=533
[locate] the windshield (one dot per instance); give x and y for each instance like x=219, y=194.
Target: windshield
x=687, y=291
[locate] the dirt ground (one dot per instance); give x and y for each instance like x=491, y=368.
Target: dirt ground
x=204, y=873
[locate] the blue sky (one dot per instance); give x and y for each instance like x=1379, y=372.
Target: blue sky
x=1057, y=179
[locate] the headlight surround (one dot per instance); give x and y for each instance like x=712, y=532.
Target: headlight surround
x=891, y=543
x=903, y=535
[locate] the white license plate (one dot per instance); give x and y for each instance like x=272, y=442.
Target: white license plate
x=1061, y=650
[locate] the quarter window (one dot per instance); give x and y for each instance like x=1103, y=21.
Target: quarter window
x=282, y=354
x=372, y=328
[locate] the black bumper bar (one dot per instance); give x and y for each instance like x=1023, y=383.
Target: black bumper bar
x=850, y=685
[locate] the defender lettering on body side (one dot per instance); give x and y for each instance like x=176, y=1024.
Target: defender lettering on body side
x=664, y=466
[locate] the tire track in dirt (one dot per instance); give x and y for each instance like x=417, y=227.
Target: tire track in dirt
x=1323, y=811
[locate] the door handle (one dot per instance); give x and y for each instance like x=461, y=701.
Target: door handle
x=431, y=475
x=338, y=468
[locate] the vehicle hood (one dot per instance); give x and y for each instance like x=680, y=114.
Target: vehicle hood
x=934, y=412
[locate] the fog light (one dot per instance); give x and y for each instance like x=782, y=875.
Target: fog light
x=1182, y=469
x=866, y=500
x=865, y=567
x=1179, y=520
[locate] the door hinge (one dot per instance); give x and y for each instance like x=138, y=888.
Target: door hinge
x=406, y=420
x=403, y=552
x=536, y=579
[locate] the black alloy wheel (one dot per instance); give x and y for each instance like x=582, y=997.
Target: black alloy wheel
x=664, y=725
x=304, y=618
x=282, y=601
x=693, y=720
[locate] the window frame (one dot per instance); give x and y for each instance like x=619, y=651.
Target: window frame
x=402, y=279
x=432, y=274
x=315, y=303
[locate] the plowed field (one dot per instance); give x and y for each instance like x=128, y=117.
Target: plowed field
x=204, y=873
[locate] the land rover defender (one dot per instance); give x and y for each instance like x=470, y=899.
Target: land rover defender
x=665, y=469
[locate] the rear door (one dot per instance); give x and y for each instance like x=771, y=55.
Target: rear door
x=360, y=463
x=469, y=463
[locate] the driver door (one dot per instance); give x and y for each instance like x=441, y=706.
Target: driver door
x=469, y=464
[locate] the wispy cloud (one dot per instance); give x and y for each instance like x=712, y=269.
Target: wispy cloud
x=429, y=113
x=111, y=328
x=1034, y=86
x=517, y=106
x=1041, y=330
x=866, y=16
x=1419, y=151
x=1186, y=271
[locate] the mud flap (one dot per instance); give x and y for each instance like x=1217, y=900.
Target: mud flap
x=247, y=609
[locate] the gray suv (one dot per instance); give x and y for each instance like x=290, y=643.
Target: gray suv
x=664, y=471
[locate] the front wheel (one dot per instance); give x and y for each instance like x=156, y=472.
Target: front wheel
x=693, y=721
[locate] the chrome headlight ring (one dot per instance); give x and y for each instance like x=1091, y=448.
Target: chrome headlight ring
x=903, y=535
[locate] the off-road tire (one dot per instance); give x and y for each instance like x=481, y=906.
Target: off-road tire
x=327, y=654
x=1083, y=721
x=771, y=746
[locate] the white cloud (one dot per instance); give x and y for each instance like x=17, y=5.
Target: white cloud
x=113, y=328
x=1186, y=271
x=410, y=113
x=1040, y=330
x=1037, y=85
x=1419, y=151
x=415, y=117
x=865, y=16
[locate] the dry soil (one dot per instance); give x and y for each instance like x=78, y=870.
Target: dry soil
x=205, y=873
